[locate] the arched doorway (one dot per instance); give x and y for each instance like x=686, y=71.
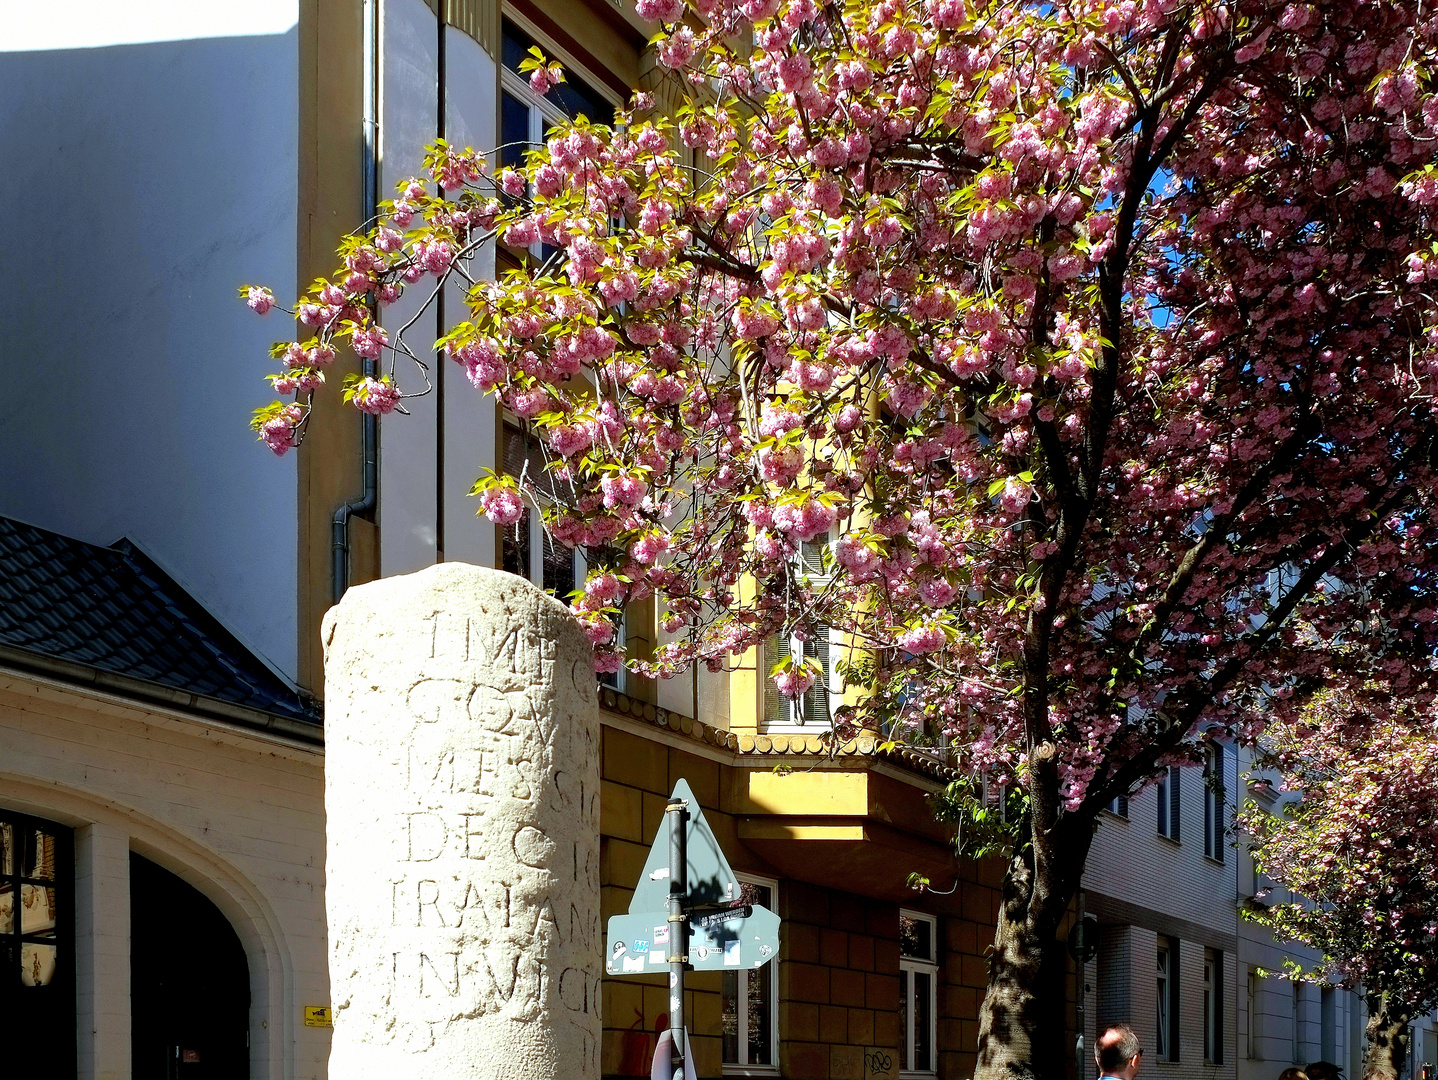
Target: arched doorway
x=189, y=982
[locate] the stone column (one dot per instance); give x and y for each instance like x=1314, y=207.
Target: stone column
x=462, y=807
x=102, y=952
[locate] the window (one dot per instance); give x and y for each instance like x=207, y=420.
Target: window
x=748, y=999
x=1297, y=1057
x=1254, y=1017
x=524, y=117
x=918, y=989
x=1167, y=1046
x=1168, y=803
x=37, y=990
x=1327, y=1025
x=813, y=706
x=1213, y=1006
x=1118, y=806
x=527, y=549
x=1214, y=805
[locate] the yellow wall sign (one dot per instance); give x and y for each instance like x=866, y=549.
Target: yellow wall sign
x=318, y=1016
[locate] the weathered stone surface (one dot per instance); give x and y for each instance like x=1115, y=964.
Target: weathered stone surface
x=462, y=805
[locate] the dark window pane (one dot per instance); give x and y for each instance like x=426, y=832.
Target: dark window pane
x=729, y=1006
x=37, y=963
x=759, y=1010
x=558, y=568
x=903, y=1019
x=37, y=854
x=37, y=908
x=513, y=129
x=923, y=1052
x=573, y=95
x=515, y=554
x=816, y=699
x=916, y=938
x=776, y=706
x=37, y=992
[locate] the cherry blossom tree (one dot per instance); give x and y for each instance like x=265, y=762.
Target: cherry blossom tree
x=1360, y=844
x=1093, y=342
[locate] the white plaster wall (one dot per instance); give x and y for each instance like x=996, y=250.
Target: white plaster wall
x=240, y=816
x=144, y=183
x=409, y=101
x=1129, y=860
x=470, y=417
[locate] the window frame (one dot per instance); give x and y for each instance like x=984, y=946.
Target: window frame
x=1166, y=1019
x=1298, y=1004
x=794, y=712
x=1254, y=990
x=1213, y=1006
x=60, y=987
x=1169, y=790
x=1118, y=807
x=771, y=973
x=1215, y=803
x=909, y=967
x=541, y=109
x=537, y=538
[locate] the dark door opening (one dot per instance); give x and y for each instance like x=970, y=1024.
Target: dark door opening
x=37, y=961
x=189, y=982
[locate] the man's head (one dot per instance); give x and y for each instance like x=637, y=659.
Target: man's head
x=1118, y=1052
x=1324, y=1070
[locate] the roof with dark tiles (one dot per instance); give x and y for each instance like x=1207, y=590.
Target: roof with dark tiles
x=113, y=609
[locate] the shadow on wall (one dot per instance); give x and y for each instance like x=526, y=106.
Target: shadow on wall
x=143, y=184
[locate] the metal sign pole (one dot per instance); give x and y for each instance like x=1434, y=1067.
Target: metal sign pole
x=678, y=929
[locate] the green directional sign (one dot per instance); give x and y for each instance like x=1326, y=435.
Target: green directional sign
x=745, y=937
x=707, y=873
x=637, y=943
x=720, y=943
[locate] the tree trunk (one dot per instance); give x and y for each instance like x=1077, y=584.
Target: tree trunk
x=1385, y=1040
x=1021, y=1020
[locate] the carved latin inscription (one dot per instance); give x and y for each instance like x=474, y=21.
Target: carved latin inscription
x=462, y=795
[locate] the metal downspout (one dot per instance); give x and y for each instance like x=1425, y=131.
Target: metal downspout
x=369, y=423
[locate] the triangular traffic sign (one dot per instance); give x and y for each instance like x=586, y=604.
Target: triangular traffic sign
x=709, y=878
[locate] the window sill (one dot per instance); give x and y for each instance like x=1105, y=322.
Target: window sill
x=1171, y=840
x=1216, y=862
x=751, y=1070
x=1115, y=815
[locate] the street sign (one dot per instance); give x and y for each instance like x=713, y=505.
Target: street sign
x=686, y=913
x=637, y=943
x=707, y=873
x=740, y=942
x=640, y=943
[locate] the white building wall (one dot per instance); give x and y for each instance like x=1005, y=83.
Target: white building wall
x=144, y=183
x=470, y=417
x=240, y=816
x=1141, y=886
x=409, y=102
x=410, y=488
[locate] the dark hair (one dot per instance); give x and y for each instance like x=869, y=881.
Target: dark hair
x=1293, y=1073
x=1324, y=1070
x=1117, y=1046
